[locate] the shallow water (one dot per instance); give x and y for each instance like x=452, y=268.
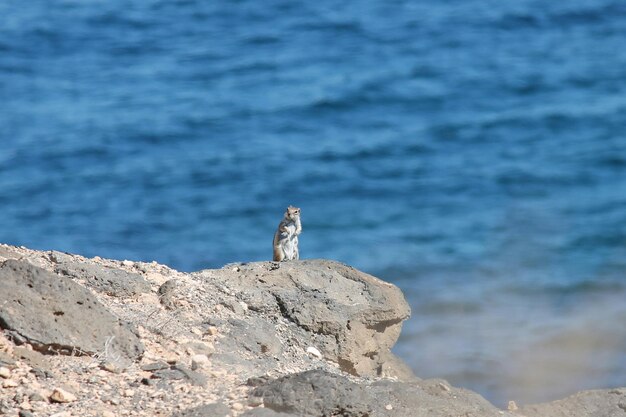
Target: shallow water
x=472, y=152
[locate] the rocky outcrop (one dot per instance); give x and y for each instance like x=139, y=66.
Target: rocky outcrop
x=315, y=393
x=57, y=316
x=111, y=281
x=319, y=393
x=264, y=339
x=594, y=403
x=351, y=317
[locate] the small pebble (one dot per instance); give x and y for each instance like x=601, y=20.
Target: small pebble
x=5, y=372
x=129, y=392
x=111, y=367
x=199, y=362
x=37, y=396
x=26, y=405
x=313, y=351
x=26, y=413
x=59, y=395
x=237, y=406
x=512, y=406
x=9, y=383
x=389, y=407
x=212, y=330
x=444, y=387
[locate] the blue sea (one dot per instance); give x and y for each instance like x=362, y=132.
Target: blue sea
x=472, y=152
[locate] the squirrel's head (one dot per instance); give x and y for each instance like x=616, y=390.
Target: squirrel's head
x=292, y=212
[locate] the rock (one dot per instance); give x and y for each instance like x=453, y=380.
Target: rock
x=255, y=324
x=5, y=408
x=115, y=367
x=25, y=413
x=9, y=383
x=180, y=372
x=168, y=374
x=313, y=351
x=315, y=393
x=254, y=335
x=115, y=401
x=59, y=395
x=5, y=372
x=167, y=294
x=594, y=403
x=155, y=366
x=208, y=410
x=56, y=315
x=200, y=348
x=353, y=317
x=35, y=359
x=427, y=399
x=257, y=381
x=37, y=397
x=7, y=252
x=19, y=397
x=318, y=393
x=196, y=378
x=393, y=367
x=6, y=360
x=199, y=362
x=114, y=282
x=266, y=412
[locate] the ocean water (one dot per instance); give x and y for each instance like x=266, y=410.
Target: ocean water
x=472, y=152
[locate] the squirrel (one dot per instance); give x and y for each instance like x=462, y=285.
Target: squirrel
x=286, y=236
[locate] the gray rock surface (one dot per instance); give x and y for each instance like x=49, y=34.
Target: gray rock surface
x=111, y=281
x=254, y=335
x=351, y=317
x=318, y=393
x=266, y=412
x=207, y=410
x=8, y=253
x=594, y=403
x=6, y=360
x=56, y=315
x=303, y=338
x=167, y=293
x=428, y=398
x=315, y=393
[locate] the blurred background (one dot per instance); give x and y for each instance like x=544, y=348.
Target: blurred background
x=472, y=152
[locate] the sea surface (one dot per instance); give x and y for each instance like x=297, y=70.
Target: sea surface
x=472, y=152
